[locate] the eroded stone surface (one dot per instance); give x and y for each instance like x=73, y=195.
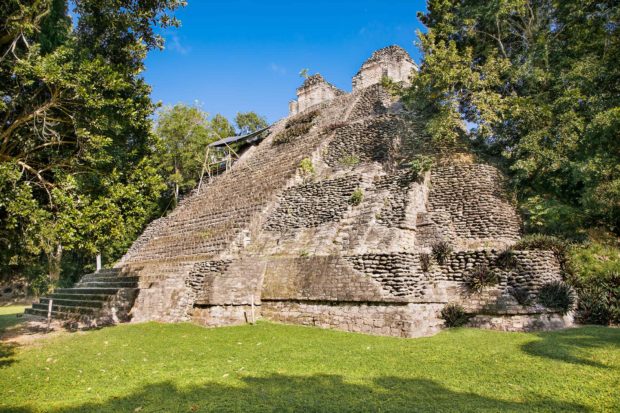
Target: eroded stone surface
x=268, y=240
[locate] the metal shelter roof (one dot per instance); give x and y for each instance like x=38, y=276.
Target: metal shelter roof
x=250, y=138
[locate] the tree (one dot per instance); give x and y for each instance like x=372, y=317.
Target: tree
x=248, y=122
x=221, y=127
x=538, y=84
x=305, y=73
x=76, y=172
x=184, y=132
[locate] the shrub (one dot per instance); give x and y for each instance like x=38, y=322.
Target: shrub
x=304, y=117
x=550, y=216
x=41, y=285
x=522, y=295
x=454, y=315
x=558, y=246
x=350, y=161
x=506, y=259
x=306, y=166
x=332, y=127
x=441, y=250
x=421, y=164
x=481, y=276
x=556, y=295
x=295, y=127
x=599, y=299
x=356, y=197
x=425, y=261
x=595, y=259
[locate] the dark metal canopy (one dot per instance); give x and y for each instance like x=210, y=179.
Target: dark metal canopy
x=251, y=138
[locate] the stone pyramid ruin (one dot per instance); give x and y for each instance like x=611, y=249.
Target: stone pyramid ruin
x=324, y=223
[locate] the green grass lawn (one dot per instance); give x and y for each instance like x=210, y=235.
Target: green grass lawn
x=9, y=316
x=268, y=367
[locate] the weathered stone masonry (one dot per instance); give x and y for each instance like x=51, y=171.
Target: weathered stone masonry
x=267, y=240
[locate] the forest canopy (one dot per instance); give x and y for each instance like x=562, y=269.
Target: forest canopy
x=535, y=86
x=82, y=167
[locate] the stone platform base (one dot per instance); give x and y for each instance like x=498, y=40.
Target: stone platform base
x=384, y=319
x=225, y=315
x=522, y=322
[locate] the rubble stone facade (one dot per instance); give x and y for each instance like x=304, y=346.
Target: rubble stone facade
x=392, y=62
x=314, y=90
x=270, y=240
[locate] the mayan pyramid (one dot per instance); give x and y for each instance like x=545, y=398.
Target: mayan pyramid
x=324, y=223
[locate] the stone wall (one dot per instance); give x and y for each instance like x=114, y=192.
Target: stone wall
x=164, y=294
x=14, y=291
x=372, y=140
x=374, y=100
x=313, y=204
x=468, y=203
x=318, y=278
x=522, y=322
x=398, y=320
x=403, y=275
x=392, y=62
x=397, y=186
x=315, y=90
x=264, y=238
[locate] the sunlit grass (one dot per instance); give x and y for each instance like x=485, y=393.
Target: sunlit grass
x=269, y=367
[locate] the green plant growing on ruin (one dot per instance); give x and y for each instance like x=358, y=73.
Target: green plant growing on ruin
x=349, y=161
x=506, y=259
x=356, y=197
x=306, y=167
x=522, y=295
x=304, y=254
x=557, y=295
x=425, y=261
x=441, y=250
x=295, y=127
x=558, y=246
x=599, y=299
x=421, y=164
x=454, y=315
x=334, y=126
x=479, y=277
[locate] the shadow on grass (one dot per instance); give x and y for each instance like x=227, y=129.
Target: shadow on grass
x=7, y=351
x=320, y=393
x=10, y=320
x=572, y=345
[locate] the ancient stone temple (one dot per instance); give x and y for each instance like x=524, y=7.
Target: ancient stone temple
x=325, y=223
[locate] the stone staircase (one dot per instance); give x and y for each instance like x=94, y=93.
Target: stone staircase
x=99, y=298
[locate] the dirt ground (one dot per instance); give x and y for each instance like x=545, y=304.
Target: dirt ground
x=31, y=330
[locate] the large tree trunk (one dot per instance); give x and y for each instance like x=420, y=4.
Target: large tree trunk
x=54, y=259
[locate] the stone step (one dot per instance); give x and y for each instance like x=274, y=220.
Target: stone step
x=81, y=291
x=105, y=278
x=72, y=303
x=84, y=297
x=106, y=284
x=56, y=315
x=66, y=309
x=106, y=272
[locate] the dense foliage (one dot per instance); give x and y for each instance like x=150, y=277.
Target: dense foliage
x=534, y=84
x=480, y=277
x=76, y=173
x=82, y=167
x=557, y=295
x=454, y=315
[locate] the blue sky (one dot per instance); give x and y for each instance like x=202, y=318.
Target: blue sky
x=241, y=55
